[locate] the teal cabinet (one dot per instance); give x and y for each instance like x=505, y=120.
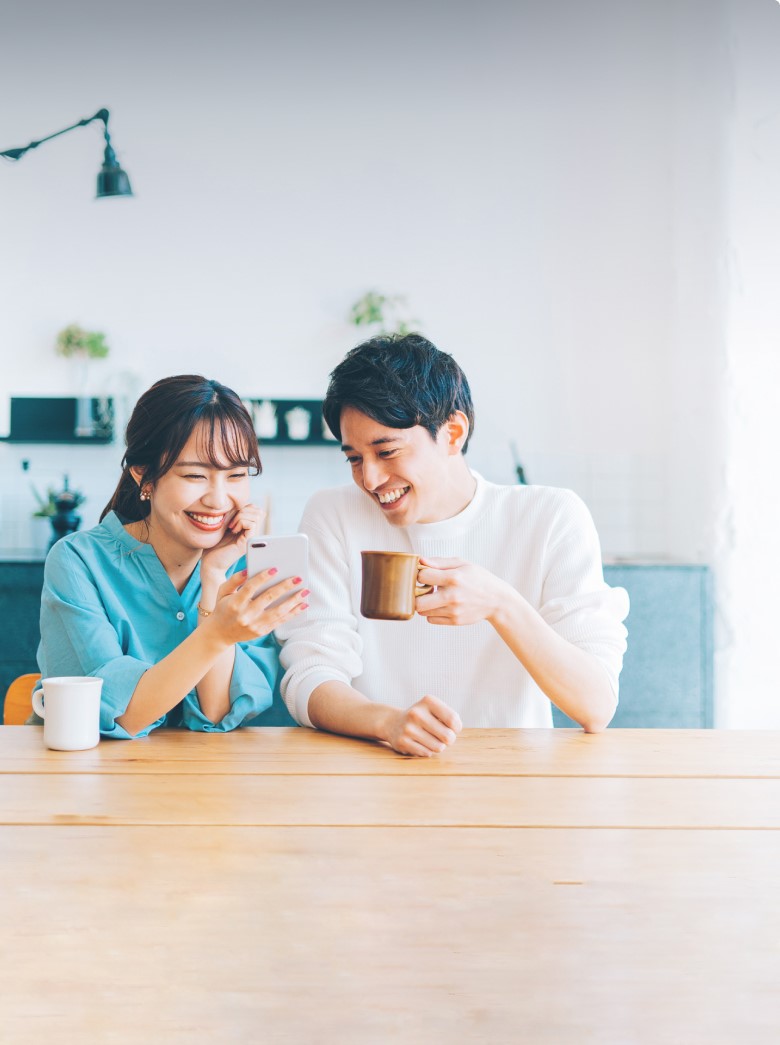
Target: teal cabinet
x=666, y=681
x=20, y=609
x=667, y=672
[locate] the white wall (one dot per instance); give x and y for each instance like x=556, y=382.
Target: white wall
x=508, y=166
x=547, y=183
x=747, y=556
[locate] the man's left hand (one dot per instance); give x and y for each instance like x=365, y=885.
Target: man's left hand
x=465, y=593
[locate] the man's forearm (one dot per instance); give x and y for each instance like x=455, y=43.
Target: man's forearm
x=575, y=681
x=338, y=708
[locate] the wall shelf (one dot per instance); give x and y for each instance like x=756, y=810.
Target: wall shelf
x=75, y=440
x=89, y=421
x=289, y=422
x=86, y=420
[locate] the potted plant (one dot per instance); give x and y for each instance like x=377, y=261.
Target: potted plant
x=76, y=343
x=59, y=506
x=385, y=313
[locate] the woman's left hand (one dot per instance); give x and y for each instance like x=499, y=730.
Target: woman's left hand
x=246, y=523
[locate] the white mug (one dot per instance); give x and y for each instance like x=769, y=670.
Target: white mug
x=70, y=709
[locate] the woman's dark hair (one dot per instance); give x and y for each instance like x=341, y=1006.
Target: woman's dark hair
x=400, y=381
x=163, y=420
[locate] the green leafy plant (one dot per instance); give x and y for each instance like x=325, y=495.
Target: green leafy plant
x=47, y=506
x=387, y=313
x=76, y=343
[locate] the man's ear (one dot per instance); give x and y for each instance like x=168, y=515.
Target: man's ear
x=457, y=428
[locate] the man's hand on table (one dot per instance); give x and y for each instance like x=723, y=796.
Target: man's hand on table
x=426, y=728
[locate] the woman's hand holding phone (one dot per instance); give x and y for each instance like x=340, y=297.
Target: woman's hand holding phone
x=244, y=609
x=246, y=523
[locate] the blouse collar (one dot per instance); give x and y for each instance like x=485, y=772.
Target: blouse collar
x=114, y=526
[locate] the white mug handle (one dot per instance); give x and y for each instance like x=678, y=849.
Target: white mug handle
x=37, y=702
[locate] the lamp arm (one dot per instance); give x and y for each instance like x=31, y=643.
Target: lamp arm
x=101, y=114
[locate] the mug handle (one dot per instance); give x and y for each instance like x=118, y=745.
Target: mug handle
x=37, y=702
x=421, y=589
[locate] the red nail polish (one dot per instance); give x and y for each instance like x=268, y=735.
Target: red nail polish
x=297, y=580
x=305, y=592
x=272, y=571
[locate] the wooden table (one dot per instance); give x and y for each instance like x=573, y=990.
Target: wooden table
x=539, y=886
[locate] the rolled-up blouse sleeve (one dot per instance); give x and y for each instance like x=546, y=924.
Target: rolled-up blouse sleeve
x=255, y=672
x=78, y=639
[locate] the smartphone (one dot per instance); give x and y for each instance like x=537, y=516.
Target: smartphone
x=288, y=553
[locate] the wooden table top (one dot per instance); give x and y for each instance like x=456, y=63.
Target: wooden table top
x=540, y=886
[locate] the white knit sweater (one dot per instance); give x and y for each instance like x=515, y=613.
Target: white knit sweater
x=542, y=540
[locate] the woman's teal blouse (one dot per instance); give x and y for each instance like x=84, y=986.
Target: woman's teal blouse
x=109, y=609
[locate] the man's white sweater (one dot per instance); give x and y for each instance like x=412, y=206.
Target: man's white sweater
x=539, y=539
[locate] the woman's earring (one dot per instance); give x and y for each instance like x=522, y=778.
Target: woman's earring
x=144, y=494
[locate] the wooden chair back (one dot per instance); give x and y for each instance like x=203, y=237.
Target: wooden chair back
x=18, y=700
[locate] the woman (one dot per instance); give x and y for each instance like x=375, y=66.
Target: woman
x=147, y=600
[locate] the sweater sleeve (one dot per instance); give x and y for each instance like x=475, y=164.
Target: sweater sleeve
x=576, y=601
x=77, y=638
x=325, y=646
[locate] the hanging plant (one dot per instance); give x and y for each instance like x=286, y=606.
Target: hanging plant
x=387, y=313
x=76, y=343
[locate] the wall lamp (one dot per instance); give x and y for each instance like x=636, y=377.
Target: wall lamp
x=111, y=181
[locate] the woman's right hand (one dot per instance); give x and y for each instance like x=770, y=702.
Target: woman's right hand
x=241, y=615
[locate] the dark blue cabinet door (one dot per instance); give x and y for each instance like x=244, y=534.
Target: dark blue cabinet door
x=20, y=609
x=667, y=671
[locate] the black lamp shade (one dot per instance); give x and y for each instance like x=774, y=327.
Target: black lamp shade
x=112, y=181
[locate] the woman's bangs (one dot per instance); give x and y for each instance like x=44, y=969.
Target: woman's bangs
x=229, y=441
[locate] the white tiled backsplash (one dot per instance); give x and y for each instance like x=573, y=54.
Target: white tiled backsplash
x=290, y=475
x=624, y=492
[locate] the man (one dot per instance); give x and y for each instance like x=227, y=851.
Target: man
x=520, y=614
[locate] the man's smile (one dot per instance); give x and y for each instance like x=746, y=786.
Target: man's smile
x=391, y=496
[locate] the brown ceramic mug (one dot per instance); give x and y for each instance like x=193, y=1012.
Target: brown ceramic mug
x=390, y=585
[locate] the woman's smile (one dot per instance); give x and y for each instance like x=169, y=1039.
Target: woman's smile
x=207, y=523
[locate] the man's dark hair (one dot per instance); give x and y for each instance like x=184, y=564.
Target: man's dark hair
x=399, y=380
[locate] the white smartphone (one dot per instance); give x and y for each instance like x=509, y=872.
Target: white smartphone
x=288, y=553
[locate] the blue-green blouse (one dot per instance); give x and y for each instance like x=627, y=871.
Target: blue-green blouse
x=109, y=609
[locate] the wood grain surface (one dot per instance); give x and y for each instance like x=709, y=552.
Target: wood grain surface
x=595, y=896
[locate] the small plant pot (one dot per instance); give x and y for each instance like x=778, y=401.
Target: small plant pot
x=65, y=520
